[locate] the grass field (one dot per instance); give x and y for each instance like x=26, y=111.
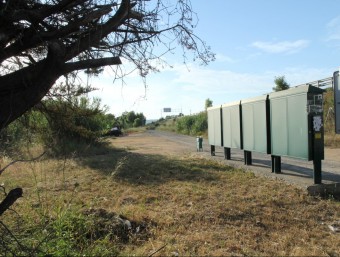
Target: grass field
x=117, y=202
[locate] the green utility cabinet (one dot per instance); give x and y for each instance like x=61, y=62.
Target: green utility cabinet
x=214, y=126
x=255, y=124
x=231, y=123
x=296, y=122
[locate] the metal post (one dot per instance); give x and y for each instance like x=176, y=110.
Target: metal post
x=318, y=146
x=212, y=150
x=277, y=164
x=317, y=171
x=247, y=158
x=336, y=89
x=227, y=154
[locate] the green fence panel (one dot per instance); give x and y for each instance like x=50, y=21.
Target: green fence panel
x=214, y=126
x=254, y=124
x=231, y=125
x=290, y=122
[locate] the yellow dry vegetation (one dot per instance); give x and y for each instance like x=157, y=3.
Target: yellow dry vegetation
x=189, y=205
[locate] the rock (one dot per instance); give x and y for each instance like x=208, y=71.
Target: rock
x=325, y=190
x=190, y=204
x=175, y=253
x=117, y=226
x=335, y=227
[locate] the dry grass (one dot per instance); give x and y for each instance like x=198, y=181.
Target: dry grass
x=190, y=205
x=134, y=130
x=332, y=140
x=167, y=125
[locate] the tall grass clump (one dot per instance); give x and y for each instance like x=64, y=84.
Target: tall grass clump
x=64, y=232
x=27, y=131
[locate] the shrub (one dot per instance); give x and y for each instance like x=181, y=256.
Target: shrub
x=192, y=125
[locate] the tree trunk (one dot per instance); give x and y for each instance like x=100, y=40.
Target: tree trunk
x=21, y=90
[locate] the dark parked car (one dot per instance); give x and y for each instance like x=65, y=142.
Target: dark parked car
x=115, y=131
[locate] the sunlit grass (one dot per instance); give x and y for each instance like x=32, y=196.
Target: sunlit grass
x=185, y=205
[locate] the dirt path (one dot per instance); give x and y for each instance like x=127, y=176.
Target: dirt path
x=154, y=142
x=332, y=154
x=298, y=172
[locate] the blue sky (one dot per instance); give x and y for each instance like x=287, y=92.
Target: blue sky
x=254, y=41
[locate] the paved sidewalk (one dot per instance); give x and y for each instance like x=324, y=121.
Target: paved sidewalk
x=294, y=171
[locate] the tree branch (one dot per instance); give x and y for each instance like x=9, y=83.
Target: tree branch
x=24, y=76
x=11, y=163
x=14, y=11
x=94, y=38
x=40, y=14
x=10, y=199
x=32, y=38
x=93, y=63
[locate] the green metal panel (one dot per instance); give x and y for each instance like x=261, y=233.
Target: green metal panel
x=289, y=121
x=297, y=126
x=260, y=128
x=226, y=125
x=278, y=126
x=231, y=125
x=214, y=126
x=248, y=127
x=211, y=136
x=254, y=126
x=235, y=127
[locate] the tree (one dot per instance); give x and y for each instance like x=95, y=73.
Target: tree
x=137, y=122
x=132, y=119
x=208, y=103
x=42, y=40
x=80, y=119
x=280, y=83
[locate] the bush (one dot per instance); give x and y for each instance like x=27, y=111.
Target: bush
x=61, y=126
x=27, y=130
x=193, y=124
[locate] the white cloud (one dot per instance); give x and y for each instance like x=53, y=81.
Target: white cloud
x=208, y=81
x=287, y=47
x=334, y=23
x=224, y=58
x=333, y=29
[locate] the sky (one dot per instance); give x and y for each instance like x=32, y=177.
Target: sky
x=254, y=42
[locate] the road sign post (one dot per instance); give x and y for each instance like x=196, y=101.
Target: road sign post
x=336, y=88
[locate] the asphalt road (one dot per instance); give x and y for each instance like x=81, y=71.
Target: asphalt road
x=294, y=171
